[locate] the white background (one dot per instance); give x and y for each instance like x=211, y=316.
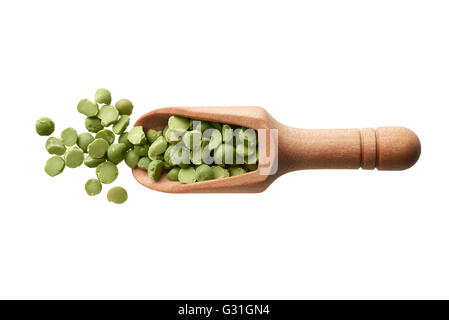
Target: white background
x=311, y=64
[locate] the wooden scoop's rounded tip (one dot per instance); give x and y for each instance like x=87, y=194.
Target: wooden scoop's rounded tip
x=398, y=148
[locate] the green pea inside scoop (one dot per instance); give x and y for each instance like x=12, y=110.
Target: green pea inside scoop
x=143, y=163
x=152, y=135
x=158, y=147
x=136, y=135
x=187, y=175
x=237, y=170
x=173, y=174
x=219, y=172
x=204, y=172
x=177, y=122
x=155, y=169
x=142, y=149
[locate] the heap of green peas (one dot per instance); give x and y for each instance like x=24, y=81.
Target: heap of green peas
x=190, y=150
x=193, y=150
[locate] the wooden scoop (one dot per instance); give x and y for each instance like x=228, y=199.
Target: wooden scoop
x=289, y=149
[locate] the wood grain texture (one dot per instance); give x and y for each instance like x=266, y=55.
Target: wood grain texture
x=397, y=148
x=388, y=148
x=369, y=148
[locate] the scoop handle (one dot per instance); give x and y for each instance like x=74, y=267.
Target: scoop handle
x=384, y=148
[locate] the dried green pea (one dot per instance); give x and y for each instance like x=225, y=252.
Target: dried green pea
x=227, y=133
x=131, y=159
x=207, y=155
x=167, y=165
x=83, y=140
x=93, y=124
x=203, y=172
x=136, y=135
x=173, y=136
x=106, y=172
x=177, y=122
x=108, y=115
x=69, y=137
x=45, y=126
x=192, y=139
x=156, y=157
x=155, y=169
x=152, y=135
x=142, y=149
x=173, y=174
x=164, y=130
x=103, y=96
x=87, y=107
x=93, y=162
x=196, y=156
x=54, y=166
x=201, y=125
x=158, y=147
x=124, y=139
x=117, y=195
x=219, y=172
x=116, y=152
x=55, y=146
x=251, y=167
x=120, y=126
x=216, y=125
x=237, y=170
x=143, y=163
x=187, y=175
x=107, y=135
x=98, y=148
x=74, y=157
x=167, y=155
x=124, y=106
x=178, y=155
x=93, y=187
